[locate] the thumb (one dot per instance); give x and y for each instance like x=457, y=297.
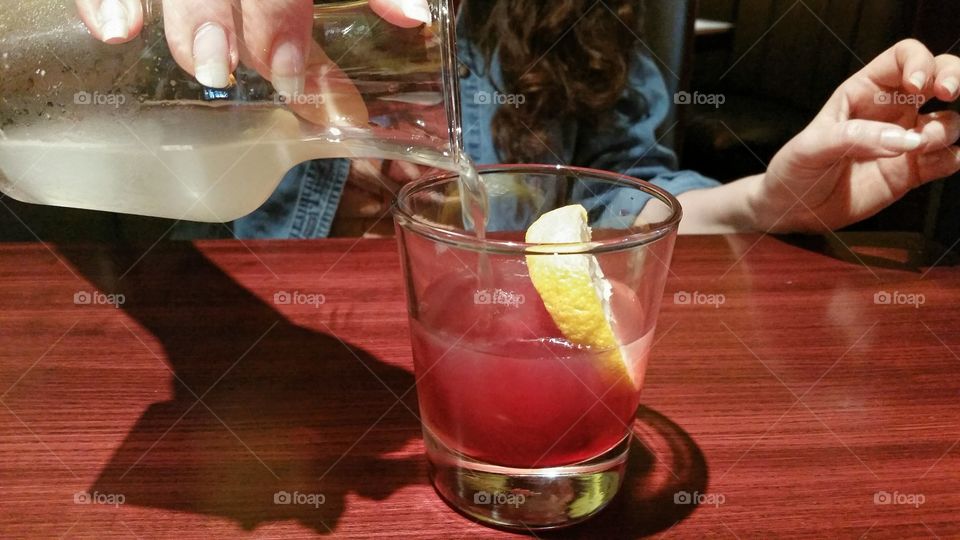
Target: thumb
x=856, y=139
x=329, y=97
x=112, y=21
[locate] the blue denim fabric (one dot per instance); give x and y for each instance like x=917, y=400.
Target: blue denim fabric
x=304, y=204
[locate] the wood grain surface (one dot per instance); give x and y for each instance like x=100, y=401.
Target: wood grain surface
x=797, y=388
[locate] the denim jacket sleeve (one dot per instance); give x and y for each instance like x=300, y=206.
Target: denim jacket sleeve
x=626, y=142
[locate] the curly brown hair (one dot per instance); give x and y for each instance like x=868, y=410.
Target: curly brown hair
x=566, y=57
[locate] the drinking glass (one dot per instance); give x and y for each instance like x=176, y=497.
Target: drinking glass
x=523, y=427
x=123, y=128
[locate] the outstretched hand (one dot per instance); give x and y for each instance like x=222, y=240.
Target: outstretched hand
x=867, y=148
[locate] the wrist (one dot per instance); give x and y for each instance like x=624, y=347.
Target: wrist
x=730, y=208
x=756, y=207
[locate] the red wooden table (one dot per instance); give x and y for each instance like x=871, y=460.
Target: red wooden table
x=794, y=390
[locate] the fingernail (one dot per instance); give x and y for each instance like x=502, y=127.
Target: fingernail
x=417, y=10
x=211, y=56
x=952, y=85
x=919, y=79
x=912, y=140
x=113, y=21
x=287, y=69
x=900, y=140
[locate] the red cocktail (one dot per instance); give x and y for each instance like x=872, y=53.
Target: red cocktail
x=499, y=382
x=531, y=345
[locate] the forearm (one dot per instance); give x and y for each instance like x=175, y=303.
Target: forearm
x=724, y=209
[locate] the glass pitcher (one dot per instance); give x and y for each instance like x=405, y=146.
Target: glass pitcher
x=123, y=128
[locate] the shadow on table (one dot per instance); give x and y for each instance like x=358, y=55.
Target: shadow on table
x=664, y=475
x=891, y=250
x=281, y=432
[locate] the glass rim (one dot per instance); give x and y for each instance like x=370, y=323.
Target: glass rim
x=405, y=217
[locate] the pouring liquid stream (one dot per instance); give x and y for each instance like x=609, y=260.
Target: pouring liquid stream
x=476, y=205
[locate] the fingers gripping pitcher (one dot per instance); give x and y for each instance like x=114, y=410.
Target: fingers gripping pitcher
x=124, y=128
